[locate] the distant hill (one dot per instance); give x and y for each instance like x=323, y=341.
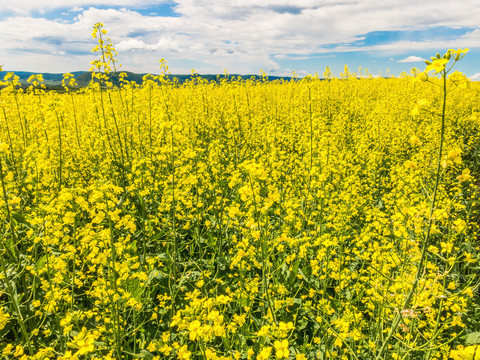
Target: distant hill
x=49, y=79
x=54, y=81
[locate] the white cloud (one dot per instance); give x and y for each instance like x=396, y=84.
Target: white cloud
x=131, y=44
x=241, y=35
x=288, y=57
x=29, y=5
x=411, y=59
x=164, y=44
x=17, y=10
x=475, y=77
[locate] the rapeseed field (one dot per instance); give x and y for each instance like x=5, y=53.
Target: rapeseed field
x=241, y=219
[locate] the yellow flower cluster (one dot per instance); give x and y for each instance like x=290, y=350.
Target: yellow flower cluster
x=471, y=352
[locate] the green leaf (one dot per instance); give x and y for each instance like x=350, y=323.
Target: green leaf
x=302, y=324
x=144, y=354
x=472, y=338
x=21, y=220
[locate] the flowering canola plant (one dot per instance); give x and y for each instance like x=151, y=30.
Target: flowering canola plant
x=240, y=219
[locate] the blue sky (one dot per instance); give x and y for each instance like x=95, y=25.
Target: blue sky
x=241, y=36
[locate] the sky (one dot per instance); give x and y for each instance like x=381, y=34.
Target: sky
x=384, y=37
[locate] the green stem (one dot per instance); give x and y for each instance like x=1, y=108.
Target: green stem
x=16, y=255
x=421, y=266
x=265, y=267
x=113, y=280
x=21, y=321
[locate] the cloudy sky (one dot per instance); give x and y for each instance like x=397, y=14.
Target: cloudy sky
x=242, y=36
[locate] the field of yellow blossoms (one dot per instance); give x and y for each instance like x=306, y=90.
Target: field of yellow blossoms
x=241, y=219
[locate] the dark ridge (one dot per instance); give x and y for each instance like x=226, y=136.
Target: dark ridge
x=83, y=78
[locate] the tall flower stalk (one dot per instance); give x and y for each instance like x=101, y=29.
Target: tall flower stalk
x=438, y=64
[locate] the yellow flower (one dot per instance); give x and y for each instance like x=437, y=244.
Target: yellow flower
x=285, y=326
x=281, y=348
x=437, y=65
x=7, y=350
x=433, y=249
x=423, y=76
x=68, y=355
x=415, y=140
x=465, y=176
x=457, y=76
x=84, y=342
x=152, y=347
x=265, y=353
x=469, y=292
x=415, y=111
x=338, y=341
x=459, y=53
x=85, y=346
x=18, y=351
x=453, y=156
x=410, y=165
x=165, y=349
x=195, y=329
x=210, y=354
x=183, y=353
x=466, y=353
x=3, y=318
x=264, y=331
x=469, y=259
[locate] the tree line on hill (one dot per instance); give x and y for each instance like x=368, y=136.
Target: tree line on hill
x=53, y=81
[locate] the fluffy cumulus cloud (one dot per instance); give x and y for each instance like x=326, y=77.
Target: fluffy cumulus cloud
x=241, y=35
x=163, y=44
x=29, y=5
x=411, y=59
x=475, y=77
